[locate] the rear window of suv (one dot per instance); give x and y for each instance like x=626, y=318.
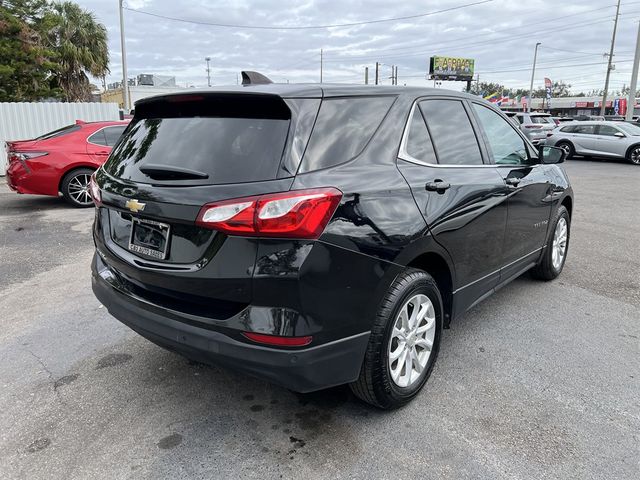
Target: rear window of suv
x=541, y=119
x=227, y=149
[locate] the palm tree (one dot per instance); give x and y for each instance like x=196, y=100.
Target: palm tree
x=80, y=43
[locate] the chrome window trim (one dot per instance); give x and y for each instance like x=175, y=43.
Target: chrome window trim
x=403, y=155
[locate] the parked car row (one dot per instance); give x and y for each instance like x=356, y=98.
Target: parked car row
x=62, y=161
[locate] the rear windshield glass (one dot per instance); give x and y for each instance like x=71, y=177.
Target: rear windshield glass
x=226, y=150
x=541, y=119
x=59, y=132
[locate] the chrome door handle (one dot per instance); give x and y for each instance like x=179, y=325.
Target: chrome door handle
x=437, y=186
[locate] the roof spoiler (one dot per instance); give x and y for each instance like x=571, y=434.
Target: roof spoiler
x=80, y=122
x=254, y=78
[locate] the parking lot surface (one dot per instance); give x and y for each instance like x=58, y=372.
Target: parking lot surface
x=541, y=380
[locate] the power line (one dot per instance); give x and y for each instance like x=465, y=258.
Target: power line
x=308, y=27
x=527, y=24
x=442, y=46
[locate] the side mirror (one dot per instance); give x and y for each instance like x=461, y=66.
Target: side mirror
x=619, y=135
x=550, y=155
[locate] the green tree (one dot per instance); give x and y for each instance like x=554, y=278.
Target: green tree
x=25, y=65
x=485, y=88
x=80, y=43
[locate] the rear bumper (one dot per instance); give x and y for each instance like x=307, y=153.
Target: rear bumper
x=303, y=370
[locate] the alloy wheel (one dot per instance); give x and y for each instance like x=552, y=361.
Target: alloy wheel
x=559, y=246
x=412, y=340
x=566, y=149
x=78, y=189
x=635, y=156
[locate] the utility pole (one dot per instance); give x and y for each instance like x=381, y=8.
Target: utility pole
x=208, y=59
x=631, y=103
x=377, y=68
x=321, y=61
x=366, y=75
x=396, y=76
x=603, y=107
x=125, y=81
x=533, y=73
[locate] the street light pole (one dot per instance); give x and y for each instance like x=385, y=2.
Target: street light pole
x=533, y=73
x=613, y=42
x=208, y=59
x=631, y=103
x=125, y=80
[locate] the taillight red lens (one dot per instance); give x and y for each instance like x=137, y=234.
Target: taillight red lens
x=278, y=341
x=295, y=214
x=94, y=190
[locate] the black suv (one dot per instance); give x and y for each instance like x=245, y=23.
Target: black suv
x=321, y=235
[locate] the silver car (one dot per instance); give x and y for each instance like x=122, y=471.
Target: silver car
x=535, y=125
x=600, y=139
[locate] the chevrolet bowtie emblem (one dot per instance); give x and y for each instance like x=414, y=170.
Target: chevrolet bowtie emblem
x=134, y=205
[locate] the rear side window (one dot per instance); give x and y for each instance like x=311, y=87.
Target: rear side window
x=113, y=134
x=585, y=129
x=227, y=150
x=451, y=131
x=419, y=144
x=343, y=128
x=568, y=129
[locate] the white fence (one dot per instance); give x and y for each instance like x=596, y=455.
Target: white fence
x=22, y=121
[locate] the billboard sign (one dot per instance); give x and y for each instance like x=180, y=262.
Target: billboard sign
x=451, y=68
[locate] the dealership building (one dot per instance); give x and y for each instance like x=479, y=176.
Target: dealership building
x=572, y=106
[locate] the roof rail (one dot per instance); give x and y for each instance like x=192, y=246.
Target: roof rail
x=254, y=78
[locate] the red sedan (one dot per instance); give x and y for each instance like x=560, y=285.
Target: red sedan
x=62, y=161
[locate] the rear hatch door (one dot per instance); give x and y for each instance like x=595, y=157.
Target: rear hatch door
x=179, y=153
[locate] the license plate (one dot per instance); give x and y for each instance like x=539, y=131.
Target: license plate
x=149, y=238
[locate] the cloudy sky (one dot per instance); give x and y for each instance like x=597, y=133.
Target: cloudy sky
x=499, y=34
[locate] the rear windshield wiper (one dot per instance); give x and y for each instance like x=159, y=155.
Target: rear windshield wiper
x=168, y=172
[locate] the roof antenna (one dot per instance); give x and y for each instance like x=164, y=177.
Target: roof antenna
x=254, y=78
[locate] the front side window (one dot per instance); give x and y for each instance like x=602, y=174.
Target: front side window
x=419, y=144
x=451, y=131
x=507, y=147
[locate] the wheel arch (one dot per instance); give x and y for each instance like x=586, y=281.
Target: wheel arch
x=628, y=151
x=567, y=202
x=70, y=169
x=435, y=265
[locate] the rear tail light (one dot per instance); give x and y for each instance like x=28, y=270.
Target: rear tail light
x=533, y=126
x=278, y=341
x=94, y=190
x=22, y=157
x=295, y=214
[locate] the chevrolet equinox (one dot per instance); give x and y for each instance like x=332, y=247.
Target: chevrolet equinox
x=319, y=235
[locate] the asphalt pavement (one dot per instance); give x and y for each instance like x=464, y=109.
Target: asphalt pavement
x=541, y=380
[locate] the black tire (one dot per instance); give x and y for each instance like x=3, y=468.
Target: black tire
x=545, y=269
x=569, y=151
x=71, y=191
x=375, y=384
x=633, y=155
